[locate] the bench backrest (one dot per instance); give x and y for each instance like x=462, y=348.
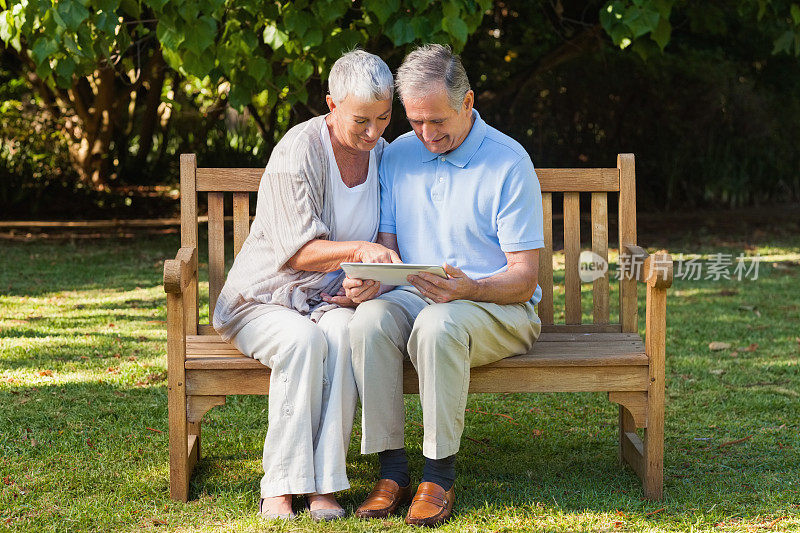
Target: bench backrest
x=598, y=182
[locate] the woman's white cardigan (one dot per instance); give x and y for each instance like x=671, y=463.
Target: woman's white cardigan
x=293, y=208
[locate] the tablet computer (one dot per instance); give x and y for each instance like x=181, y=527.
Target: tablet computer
x=389, y=273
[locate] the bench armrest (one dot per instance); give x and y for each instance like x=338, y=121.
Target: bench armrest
x=654, y=270
x=180, y=271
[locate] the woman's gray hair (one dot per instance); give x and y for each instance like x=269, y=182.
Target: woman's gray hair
x=360, y=74
x=429, y=64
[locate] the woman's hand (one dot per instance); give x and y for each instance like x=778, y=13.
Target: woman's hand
x=340, y=299
x=371, y=252
x=360, y=290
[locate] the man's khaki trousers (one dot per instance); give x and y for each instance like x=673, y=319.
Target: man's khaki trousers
x=443, y=341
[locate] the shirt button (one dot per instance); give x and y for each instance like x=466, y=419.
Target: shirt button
x=442, y=159
x=441, y=180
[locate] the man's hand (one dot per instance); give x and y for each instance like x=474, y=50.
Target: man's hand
x=360, y=290
x=458, y=286
x=372, y=252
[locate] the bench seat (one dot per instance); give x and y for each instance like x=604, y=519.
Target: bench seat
x=569, y=362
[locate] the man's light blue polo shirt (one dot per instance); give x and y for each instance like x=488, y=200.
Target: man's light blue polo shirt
x=465, y=208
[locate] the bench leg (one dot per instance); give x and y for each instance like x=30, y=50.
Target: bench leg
x=653, y=477
x=193, y=428
x=180, y=446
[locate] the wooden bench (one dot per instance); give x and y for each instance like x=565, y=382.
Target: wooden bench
x=568, y=357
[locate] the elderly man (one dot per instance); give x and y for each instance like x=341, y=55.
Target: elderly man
x=457, y=192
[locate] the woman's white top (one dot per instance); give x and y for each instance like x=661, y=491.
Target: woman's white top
x=355, y=211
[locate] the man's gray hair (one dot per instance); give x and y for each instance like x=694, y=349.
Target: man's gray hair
x=360, y=74
x=429, y=64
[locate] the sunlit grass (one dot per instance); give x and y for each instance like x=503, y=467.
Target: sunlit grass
x=83, y=415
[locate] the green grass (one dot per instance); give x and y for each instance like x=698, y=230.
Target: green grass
x=83, y=414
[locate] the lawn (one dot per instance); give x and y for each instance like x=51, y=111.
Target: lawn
x=83, y=413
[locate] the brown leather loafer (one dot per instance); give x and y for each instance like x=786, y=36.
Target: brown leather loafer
x=384, y=499
x=432, y=505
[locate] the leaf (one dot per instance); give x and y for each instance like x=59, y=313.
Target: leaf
x=752, y=348
x=65, y=68
x=717, y=345
x=641, y=21
x=301, y=69
x=450, y=9
x=258, y=68
x=383, y=9
x=795, y=10
x=239, y=96
x=43, y=48
x=662, y=33
x=168, y=36
x=297, y=21
x=401, y=32
x=73, y=13
x=201, y=35
x=131, y=7
x=7, y=28
x=457, y=28
x=274, y=37
x=784, y=42
x=312, y=39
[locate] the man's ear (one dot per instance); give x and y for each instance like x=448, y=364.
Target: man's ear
x=469, y=100
x=330, y=102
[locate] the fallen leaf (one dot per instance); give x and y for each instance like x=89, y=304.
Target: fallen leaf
x=717, y=345
x=155, y=430
x=717, y=371
x=654, y=512
x=45, y=372
x=536, y=432
x=752, y=348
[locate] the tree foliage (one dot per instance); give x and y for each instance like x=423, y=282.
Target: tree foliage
x=88, y=58
x=118, y=75
x=646, y=25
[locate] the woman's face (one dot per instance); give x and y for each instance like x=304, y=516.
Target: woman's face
x=358, y=125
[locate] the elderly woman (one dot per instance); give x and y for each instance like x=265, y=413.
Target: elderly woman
x=317, y=207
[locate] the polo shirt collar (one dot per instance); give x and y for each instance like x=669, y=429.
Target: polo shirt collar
x=461, y=155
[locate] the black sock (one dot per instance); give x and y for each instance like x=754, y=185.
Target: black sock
x=394, y=466
x=440, y=471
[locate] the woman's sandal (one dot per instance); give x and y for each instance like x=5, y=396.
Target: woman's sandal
x=323, y=515
x=273, y=516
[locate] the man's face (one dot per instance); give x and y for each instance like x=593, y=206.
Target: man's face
x=440, y=127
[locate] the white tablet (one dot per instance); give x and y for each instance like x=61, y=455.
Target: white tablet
x=389, y=273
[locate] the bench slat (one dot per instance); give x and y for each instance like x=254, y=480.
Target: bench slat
x=550, y=179
x=561, y=351
x=216, y=248
x=572, y=247
x=600, y=289
x=545, y=307
x=489, y=378
x=241, y=220
x=546, y=336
